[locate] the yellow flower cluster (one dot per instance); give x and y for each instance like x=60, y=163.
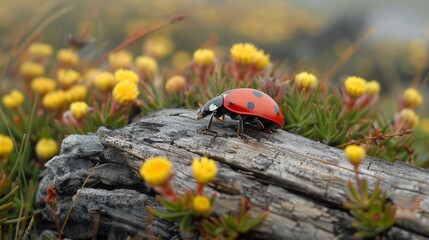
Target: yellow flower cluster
x=355, y=154
x=13, y=100
x=125, y=92
x=43, y=85
x=175, y=84
x=54, y=100
x=40, y=50
x=76, y=93
x=147, y=65
x=79, y=109
x=201, y=204
x=67, y=77
x=31, y=69
x=412, y=97
x=120, y=59
x=156, y=171
x=46, y=148
x=248, y=54
x=373, y=88
x=104, y=81
x=355, y=86
x=6, y=146
x=306, y=80
x=204, y=169
x=68, y=57
x=204, y=57
x=122, y=75
x=408, y=118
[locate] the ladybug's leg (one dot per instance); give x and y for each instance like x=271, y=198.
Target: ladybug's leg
x=210, y=121
x=209, y=125
x=240, y=128
x=259, y=124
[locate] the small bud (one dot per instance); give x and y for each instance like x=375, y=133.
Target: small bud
x=355, y=154
x=156, y=171
x=79, y=109
x=201, y=204
x=13, y=100
x=125, y=92
x=46, y=148
x=306, y=80
x=31, y=69
x=147, y=65
x=68, y=57
x=6, y=146
x=204, y=57
x=412, y=98
x=120, y=59
x=40, y=50
x=204, y=170
x=408, y=118
x=355, y=86
x=122, y=75
x=373, y=88
x=175, y=84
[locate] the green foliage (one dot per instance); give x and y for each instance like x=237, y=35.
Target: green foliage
x=373, y=213
x=230, y=226
x=208, y=226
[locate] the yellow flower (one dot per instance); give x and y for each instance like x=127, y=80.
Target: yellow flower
x=158, y=47
x=204, y=57
x=31, y=69
x=175, y=84
x=412, y=97
x=104, y=81
x=43, y=85
x=147, y=65
x=68, y=57
x=408, y=118
x=14, y=99
x=122, y=75
x=46, y=148
x=120, y=59
x=201, y=204
x=79, y=109
x=125, y=92
x=76, y=93
x=373, y=87
x=40, y=50
x=68, y=77
x=204, y=169
x=306, y=80
x=242, y=53
x=261, y=60
x=156, y=171
x=355, y=86
x=355, y=154
x=54, y=100
x=6, y=145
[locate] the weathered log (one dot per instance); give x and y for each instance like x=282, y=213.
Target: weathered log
x=301, y=183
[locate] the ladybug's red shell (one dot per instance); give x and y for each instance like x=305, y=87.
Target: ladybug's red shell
x=252, y=102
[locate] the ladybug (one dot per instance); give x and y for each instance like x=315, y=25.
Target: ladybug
x=245, y=105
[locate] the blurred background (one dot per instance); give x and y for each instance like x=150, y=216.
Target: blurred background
x=382, y=40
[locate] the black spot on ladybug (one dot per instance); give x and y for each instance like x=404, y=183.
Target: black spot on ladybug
x=250, y=105
x=257, y=94
x=276, y=109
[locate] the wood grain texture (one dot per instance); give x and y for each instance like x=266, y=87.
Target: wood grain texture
x=301, y=183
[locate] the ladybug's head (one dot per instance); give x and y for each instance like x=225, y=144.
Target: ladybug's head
x=210, y=107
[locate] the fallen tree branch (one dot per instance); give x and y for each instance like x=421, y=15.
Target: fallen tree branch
x=301, y=183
